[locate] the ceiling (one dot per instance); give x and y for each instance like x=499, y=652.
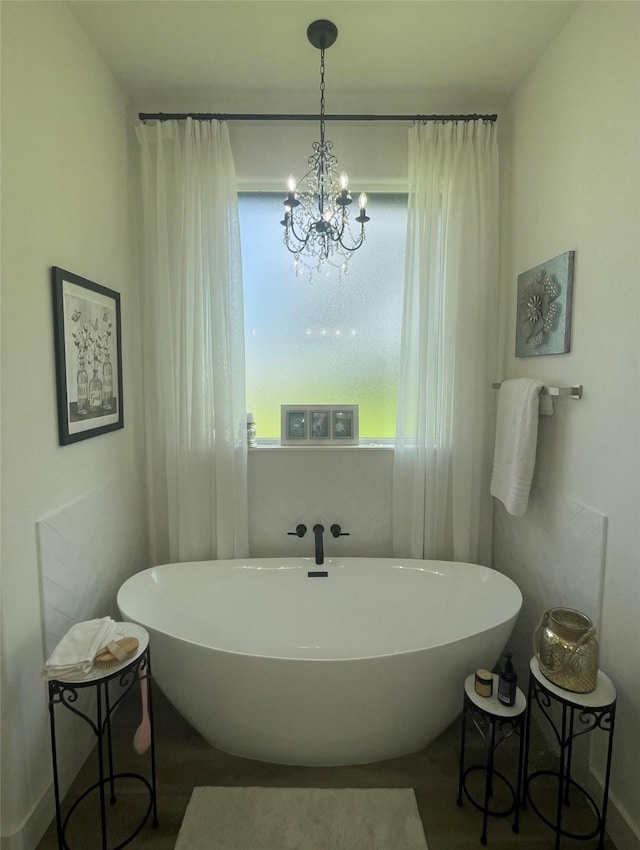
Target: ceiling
x=241, y=55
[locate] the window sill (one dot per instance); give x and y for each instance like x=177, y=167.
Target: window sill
x=271, y=445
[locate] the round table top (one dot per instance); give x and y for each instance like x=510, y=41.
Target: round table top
x=604, y=694
x=492, y=704
x=98, y=673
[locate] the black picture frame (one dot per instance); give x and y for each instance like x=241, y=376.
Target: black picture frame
x=87, y=332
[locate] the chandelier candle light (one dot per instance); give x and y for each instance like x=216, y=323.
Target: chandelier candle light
x=316, y=218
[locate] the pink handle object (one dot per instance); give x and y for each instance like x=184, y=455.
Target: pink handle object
x=142, y=737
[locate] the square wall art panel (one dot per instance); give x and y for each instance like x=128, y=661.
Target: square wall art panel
x=543, y=319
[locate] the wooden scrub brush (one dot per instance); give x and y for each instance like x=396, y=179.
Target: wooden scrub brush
x=116, y=652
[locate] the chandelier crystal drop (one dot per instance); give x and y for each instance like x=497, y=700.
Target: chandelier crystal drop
x=317, y=228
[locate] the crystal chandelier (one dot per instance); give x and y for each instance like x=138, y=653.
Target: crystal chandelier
x=316, y=219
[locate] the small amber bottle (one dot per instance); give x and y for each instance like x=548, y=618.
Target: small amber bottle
x=483, y=683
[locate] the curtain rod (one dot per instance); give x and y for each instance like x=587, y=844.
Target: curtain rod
x=222, y=116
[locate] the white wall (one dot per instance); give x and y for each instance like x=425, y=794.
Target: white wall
x=66, y=183
x=576, y=186
x=350, y=486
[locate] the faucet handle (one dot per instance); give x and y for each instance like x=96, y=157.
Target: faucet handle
x=337, y=531
x=300, y=531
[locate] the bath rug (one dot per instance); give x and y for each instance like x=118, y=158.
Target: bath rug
x=220, y=818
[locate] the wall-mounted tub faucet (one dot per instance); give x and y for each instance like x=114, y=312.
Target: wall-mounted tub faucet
x=337, y=531
x=318, y=531
x=300, y=531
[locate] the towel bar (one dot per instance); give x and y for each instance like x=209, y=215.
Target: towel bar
x=571, y=392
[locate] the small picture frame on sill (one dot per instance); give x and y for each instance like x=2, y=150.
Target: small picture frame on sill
x=320, y=424
x=295, y=425
x=313, y=425
x=342, y=423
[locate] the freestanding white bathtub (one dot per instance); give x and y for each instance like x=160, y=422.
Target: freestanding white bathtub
x=363, y=663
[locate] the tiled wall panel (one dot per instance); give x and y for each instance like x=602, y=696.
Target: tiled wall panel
x=555, y=554
x=86, y=550
x=348, y=486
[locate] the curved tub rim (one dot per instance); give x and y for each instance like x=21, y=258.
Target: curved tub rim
x=329, y=561
x=335, y=563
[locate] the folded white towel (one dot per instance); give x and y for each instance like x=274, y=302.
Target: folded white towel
x=516, y=442
x=73, y=657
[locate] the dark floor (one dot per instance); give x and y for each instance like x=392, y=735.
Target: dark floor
x=184, y=760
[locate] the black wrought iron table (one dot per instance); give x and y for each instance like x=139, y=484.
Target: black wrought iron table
x=496, y=723
x=65, y=692
x=575, y=715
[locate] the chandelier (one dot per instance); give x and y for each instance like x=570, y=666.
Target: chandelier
x=316, y=219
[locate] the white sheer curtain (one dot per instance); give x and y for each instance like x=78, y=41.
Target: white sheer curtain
x=444, y=429
x=193, y=343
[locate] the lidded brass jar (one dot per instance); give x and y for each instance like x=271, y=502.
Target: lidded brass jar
x=566, y=647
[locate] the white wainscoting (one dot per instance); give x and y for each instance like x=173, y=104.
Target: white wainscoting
x=350, y=486
x=86, y=549
x=555, y=554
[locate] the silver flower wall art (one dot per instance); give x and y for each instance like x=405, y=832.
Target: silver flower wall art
x=543, y=321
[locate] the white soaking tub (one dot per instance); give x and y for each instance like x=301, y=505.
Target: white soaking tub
x=354, y=661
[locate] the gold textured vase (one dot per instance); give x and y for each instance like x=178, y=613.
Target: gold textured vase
x=566, y=647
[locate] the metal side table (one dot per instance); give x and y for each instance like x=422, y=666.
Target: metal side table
x=579, y=714
x=65, y=692
x=495, y=722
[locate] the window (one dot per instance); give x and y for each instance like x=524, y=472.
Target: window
x=331, y=341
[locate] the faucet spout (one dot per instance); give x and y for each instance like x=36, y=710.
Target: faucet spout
x=318, y=531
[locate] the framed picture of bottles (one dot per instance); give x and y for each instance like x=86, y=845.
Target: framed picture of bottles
x=88, y=353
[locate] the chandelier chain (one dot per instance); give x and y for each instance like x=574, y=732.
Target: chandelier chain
x=322, y=88
x=321, y=162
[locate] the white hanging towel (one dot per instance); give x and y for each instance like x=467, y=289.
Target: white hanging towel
x=516, y=440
